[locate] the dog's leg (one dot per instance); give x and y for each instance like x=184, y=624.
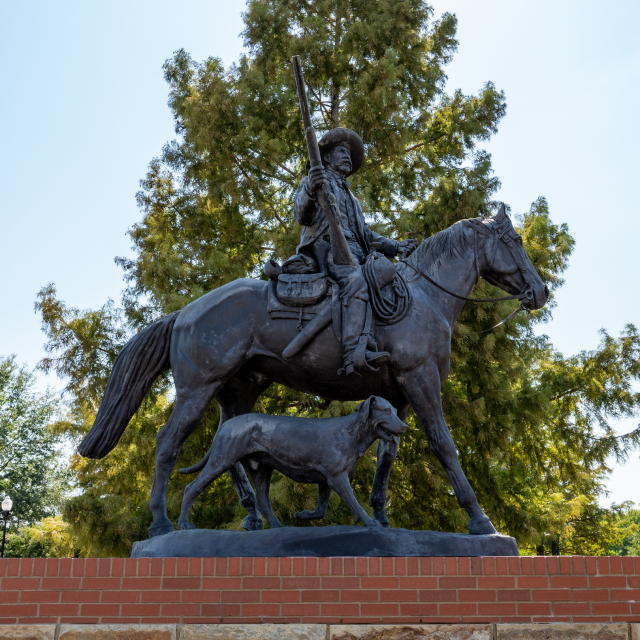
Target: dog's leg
x=262, y=479
x=217, y=465
x=324, y=493
x=386, y=453
x=342, y=487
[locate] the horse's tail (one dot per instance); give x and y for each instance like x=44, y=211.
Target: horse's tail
x=137, y=366
x=198, y=465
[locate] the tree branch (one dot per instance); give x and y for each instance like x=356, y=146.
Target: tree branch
x=261, y=197
x=565, y=393
x=325, y=113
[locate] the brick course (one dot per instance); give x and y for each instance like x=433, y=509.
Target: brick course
x=320, y=590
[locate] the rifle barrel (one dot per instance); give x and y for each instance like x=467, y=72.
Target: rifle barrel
x=339, y=246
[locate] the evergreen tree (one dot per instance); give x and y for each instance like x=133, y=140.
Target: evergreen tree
x=531, y=426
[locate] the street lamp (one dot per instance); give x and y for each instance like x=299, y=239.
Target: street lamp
x=7, y=505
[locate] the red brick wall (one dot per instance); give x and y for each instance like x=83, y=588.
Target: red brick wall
x=326, y=590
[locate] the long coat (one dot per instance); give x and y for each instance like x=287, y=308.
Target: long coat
x=315, y=225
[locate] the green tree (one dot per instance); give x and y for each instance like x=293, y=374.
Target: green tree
x=32, y=467
x=531, y=425
x=49, y=538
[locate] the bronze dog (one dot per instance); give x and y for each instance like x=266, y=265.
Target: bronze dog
x=322, y=451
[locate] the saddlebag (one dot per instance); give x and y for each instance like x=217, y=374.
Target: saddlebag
x=301, y=289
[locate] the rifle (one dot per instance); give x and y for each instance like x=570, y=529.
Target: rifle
x=339, y=246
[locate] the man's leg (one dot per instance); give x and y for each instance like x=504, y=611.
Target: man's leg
x=354, y=296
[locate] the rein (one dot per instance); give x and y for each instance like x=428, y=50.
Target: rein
x=520, y=296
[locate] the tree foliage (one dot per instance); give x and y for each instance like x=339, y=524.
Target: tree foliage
x=532, y=426
x=31, y=469
x=49, y=538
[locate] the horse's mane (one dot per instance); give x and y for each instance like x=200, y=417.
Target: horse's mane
x=444, y=245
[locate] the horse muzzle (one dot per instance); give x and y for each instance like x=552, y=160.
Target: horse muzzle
x=536, y=297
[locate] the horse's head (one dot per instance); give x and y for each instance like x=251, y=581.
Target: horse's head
x=503, y=262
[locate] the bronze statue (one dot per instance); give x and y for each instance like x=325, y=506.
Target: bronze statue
x=226, y=346
x=234, y=342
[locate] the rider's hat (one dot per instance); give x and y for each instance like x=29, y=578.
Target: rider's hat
x=341, y=137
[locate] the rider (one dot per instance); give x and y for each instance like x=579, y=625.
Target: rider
x=342, y=152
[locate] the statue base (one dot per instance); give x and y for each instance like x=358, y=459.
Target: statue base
x=339, y=540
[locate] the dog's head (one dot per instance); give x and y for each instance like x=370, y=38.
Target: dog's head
x=383, y=418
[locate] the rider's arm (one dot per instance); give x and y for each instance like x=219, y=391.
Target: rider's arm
x=304, y=208
x=388, y=246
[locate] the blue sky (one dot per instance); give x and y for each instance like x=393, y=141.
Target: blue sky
x=83, y=111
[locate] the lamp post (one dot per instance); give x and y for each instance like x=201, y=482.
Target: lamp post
x=7, y=505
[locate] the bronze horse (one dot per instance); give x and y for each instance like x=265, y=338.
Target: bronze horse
x=224, y=346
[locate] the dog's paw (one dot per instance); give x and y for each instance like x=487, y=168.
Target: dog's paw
x=305, y=515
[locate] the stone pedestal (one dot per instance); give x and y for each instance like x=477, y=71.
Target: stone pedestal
x=322, y=542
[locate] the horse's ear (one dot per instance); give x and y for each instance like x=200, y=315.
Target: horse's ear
x=501, y=216
x=365, y=407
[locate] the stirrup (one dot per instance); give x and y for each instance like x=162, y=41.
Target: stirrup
x=377, y=358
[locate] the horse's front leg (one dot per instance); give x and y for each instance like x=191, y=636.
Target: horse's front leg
x=386, y=453
x=422, y=389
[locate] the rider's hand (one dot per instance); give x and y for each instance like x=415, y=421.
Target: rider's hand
x=317, y=178
x=407, y=247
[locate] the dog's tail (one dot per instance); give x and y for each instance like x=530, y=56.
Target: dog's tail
x=198, y=465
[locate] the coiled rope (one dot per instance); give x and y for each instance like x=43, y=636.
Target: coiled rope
x=386, y=311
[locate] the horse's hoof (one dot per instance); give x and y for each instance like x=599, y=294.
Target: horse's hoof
x=481, y=526
x=184, y=526
x=303, y=515
x=381, y=518
x=372, y=523
x=252, y=522
x=160, y=530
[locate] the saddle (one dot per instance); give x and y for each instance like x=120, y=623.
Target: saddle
x=303, y=294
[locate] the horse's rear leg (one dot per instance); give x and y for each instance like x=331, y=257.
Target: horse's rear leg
x=422, y=389
x=237, y=397
x=184, y=419
x=386, y=453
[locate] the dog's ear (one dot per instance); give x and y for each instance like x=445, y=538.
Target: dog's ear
x=365, y=407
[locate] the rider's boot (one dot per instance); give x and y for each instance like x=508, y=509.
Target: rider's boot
x=357, y=358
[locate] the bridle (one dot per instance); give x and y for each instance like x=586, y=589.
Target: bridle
x=526, y=294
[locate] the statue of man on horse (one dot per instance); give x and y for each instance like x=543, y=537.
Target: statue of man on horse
x=232, y=343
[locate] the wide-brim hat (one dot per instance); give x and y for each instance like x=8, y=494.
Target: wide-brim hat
x=341, y=137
